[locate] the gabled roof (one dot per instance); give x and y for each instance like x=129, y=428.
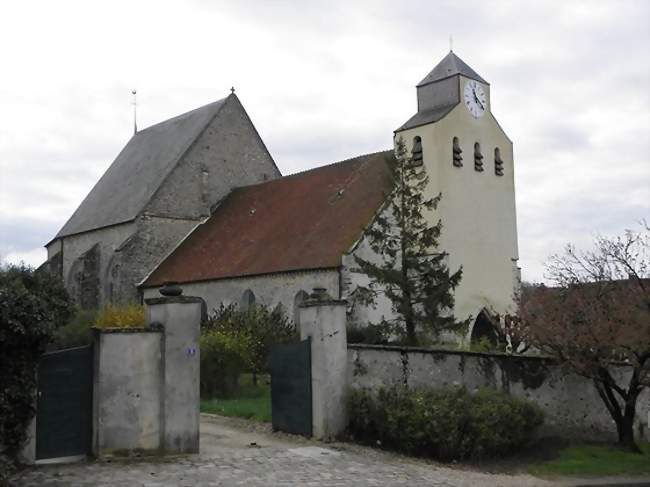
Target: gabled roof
x=449, y=66
x=298, y=222
x=139, y=170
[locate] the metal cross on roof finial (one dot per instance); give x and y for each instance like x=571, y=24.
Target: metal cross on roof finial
x=232, y=90
x=451, y=43
x=135, y=113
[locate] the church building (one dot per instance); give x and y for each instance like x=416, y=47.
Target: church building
x=198, y=200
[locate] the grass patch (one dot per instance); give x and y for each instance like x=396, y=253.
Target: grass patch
x=250, y=401
x=596, y=460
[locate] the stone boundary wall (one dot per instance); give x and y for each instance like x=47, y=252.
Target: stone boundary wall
x=571, y=404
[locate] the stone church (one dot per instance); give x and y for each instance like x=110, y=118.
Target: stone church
x=198, y=200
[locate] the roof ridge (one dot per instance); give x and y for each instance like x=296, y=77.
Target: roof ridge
x=301, y=173
x=349, y=159
x=222, y=100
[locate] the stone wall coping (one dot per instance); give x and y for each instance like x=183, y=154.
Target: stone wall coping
x=449, y=351
x=439, y=351
x=309, y=303
x=173, y=299
x=153, y=328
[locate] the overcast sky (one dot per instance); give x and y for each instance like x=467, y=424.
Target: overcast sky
x=324, y=81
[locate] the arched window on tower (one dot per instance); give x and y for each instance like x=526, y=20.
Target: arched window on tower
x=301, y=296
x=478, y=158
x=416, y=152
x=247, y=300
x=457, y=151
x=498, y=162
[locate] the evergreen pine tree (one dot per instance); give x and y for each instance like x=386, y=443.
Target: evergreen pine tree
x=412, y=272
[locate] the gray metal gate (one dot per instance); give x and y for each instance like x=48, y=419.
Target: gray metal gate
x=291, y=408
x=64, y=404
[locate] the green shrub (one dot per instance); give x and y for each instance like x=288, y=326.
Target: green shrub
x=224, y=356
x=445, y=424
x=129, y=315
x=33, y=304
x=76, y=332
x=258, y=326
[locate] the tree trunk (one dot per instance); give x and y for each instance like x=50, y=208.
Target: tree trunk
x=411, y=338
x=254, y=378
x=407, y=307
x=623, y=416
x=625, y=428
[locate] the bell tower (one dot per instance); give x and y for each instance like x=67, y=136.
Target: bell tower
x=469, y=159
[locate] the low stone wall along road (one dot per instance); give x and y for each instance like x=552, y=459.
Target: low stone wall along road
x=241, y=453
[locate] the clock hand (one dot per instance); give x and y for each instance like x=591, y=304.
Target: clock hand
x=477, y=100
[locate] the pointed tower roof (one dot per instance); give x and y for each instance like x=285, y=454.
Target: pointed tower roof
x=450, y=65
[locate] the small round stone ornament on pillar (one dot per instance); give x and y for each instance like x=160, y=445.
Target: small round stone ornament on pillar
x=319, y=294
x=170, y=289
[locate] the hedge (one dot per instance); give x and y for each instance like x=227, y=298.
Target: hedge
x=32, y=305
x=446, y=424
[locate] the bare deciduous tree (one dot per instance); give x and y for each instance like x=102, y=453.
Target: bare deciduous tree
x=596, y=318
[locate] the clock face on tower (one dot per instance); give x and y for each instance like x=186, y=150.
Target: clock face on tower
x=475, y=99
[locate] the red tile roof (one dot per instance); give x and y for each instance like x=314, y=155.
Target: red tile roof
x=298, y=222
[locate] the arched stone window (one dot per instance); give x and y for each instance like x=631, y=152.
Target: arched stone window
x=300, y=297
x=416, y=152
x=498, y=162
x=478, y=158
x=457, y=151
x=247, y=300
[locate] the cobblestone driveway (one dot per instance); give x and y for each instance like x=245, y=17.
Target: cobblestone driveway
x=237, y=453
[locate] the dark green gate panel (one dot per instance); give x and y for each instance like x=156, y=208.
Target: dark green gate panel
x=291, y=388
x=64, y=408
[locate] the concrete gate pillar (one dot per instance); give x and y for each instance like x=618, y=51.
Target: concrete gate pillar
x=323, y=318
x=180, y=317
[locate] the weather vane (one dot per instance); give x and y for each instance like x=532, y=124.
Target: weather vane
x=135, y=113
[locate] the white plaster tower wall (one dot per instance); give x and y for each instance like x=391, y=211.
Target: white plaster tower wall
x=477, y=208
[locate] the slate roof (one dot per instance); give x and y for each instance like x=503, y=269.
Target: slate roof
x=139, y=170
x=449, y=66
x=298, y=222
x=427, y=116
